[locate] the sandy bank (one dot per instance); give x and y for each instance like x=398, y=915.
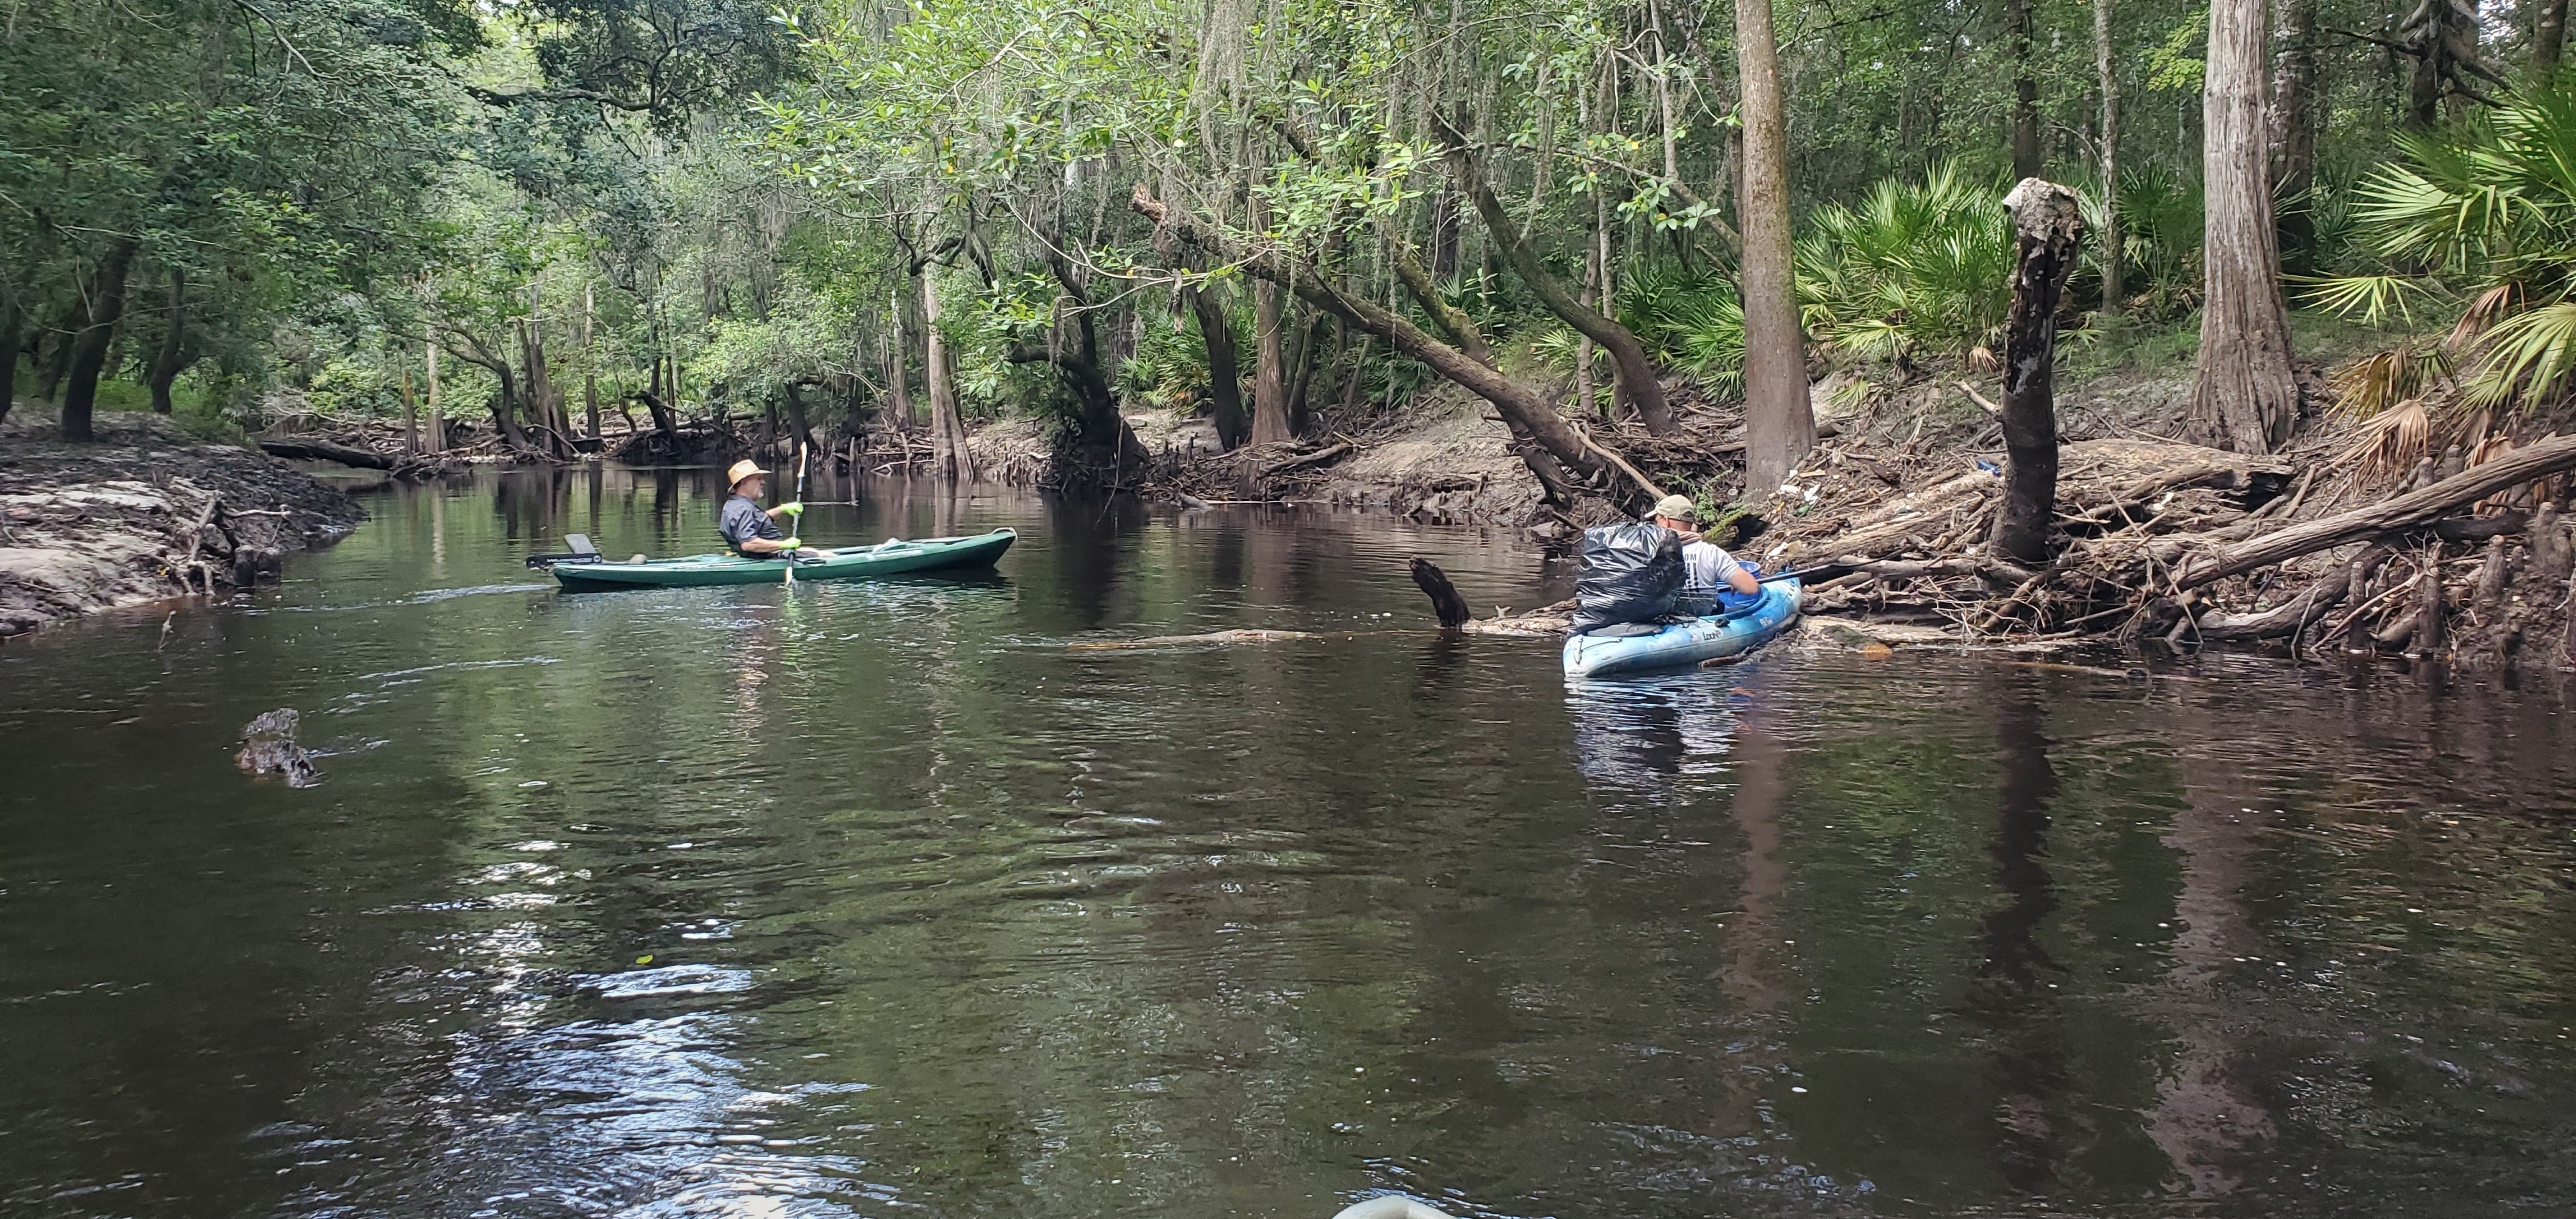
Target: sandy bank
x=143, y=514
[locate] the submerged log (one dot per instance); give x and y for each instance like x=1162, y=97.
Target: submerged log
x=2413, y=510
x=1445, y=600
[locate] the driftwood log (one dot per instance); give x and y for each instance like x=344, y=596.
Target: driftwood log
x=309, y=449
x=2411, y=511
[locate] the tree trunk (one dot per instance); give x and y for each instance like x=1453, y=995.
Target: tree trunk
x=411, y=413
x=589, y=365
x=1564, y=462
x=437, y=408
x=2245, y=399
x=1638, y=385
x=1270, y=421
x=2548, y=37
x=899, y=372
x=2109, y=83
x=1452, y=321
x=2047, y=220
x=2025, y=111
x=171, y=360
x=949, y=459
x=2295, y=116
x=1779, y=424
x=58, y=363
x=106, y=305
x=11, y=318
x=1225, y=380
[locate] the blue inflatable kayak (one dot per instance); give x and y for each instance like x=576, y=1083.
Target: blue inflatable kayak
x=1686, y=643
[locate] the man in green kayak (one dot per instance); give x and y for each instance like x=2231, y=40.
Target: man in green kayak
x=1708, y=572
x=752, y=532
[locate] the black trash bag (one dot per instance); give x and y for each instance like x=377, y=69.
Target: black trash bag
x=1632, y=572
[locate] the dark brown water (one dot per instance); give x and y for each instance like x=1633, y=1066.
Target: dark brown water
x=881, y=900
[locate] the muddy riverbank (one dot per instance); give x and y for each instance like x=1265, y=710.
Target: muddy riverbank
x=144, y=513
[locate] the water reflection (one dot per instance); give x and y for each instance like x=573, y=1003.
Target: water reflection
x=879, y=899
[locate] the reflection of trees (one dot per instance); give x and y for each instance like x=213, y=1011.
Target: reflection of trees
x=2011, y=994
x=2206, y=1116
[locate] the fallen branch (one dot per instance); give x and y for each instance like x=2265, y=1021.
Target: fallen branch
x=2414, y=510
x=1318, y=457
x=324, y=450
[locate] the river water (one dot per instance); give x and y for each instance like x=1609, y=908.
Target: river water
x=885, y=900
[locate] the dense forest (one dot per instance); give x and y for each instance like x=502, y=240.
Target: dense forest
x=1624, y=216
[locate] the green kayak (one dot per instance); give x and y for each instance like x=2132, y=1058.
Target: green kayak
x=581, y=574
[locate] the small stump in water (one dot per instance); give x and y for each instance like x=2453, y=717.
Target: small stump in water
x=268, y=746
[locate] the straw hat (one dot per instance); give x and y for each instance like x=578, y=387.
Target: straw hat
x=741, y=470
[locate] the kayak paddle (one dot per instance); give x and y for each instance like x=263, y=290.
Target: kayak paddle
x=799, y=501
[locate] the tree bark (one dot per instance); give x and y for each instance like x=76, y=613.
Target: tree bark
x=411, y=413
x=1638, y=386
x=589, y=365
x=106, y=306
x=1779, y=424
x=2048, y=220
x=171, y=360
x=1225, y=379
x=2413, y=510
x=2295, y=117
x=1270, y=421
x=1453, y=322
x=2245, y=399
x=1564, y=462
x=310, y=449
x=2548, y=37
x=57, y=364
x=437, y=416
x=2109, y=83
x=950, y=461
x=11, y=319
x=2025, y=111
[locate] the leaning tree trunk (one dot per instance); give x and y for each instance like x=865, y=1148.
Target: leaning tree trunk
x=1565, y=464
x=950, y=461
x=2047, y=220
x=89, y=346
x=2109, y=83
x=1225, y=368
x=1779, y=423
x=173, y=356
x=2245, y=399
x=1637, y=381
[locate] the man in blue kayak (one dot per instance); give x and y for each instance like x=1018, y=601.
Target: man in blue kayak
x=1708, y=572
x=752, y=532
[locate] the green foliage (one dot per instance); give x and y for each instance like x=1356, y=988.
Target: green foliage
x=2489, y=214
x=1913, y=268
x=1688, y=318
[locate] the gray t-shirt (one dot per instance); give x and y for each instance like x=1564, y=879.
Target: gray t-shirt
x=741, y=519
x=1707, y=569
